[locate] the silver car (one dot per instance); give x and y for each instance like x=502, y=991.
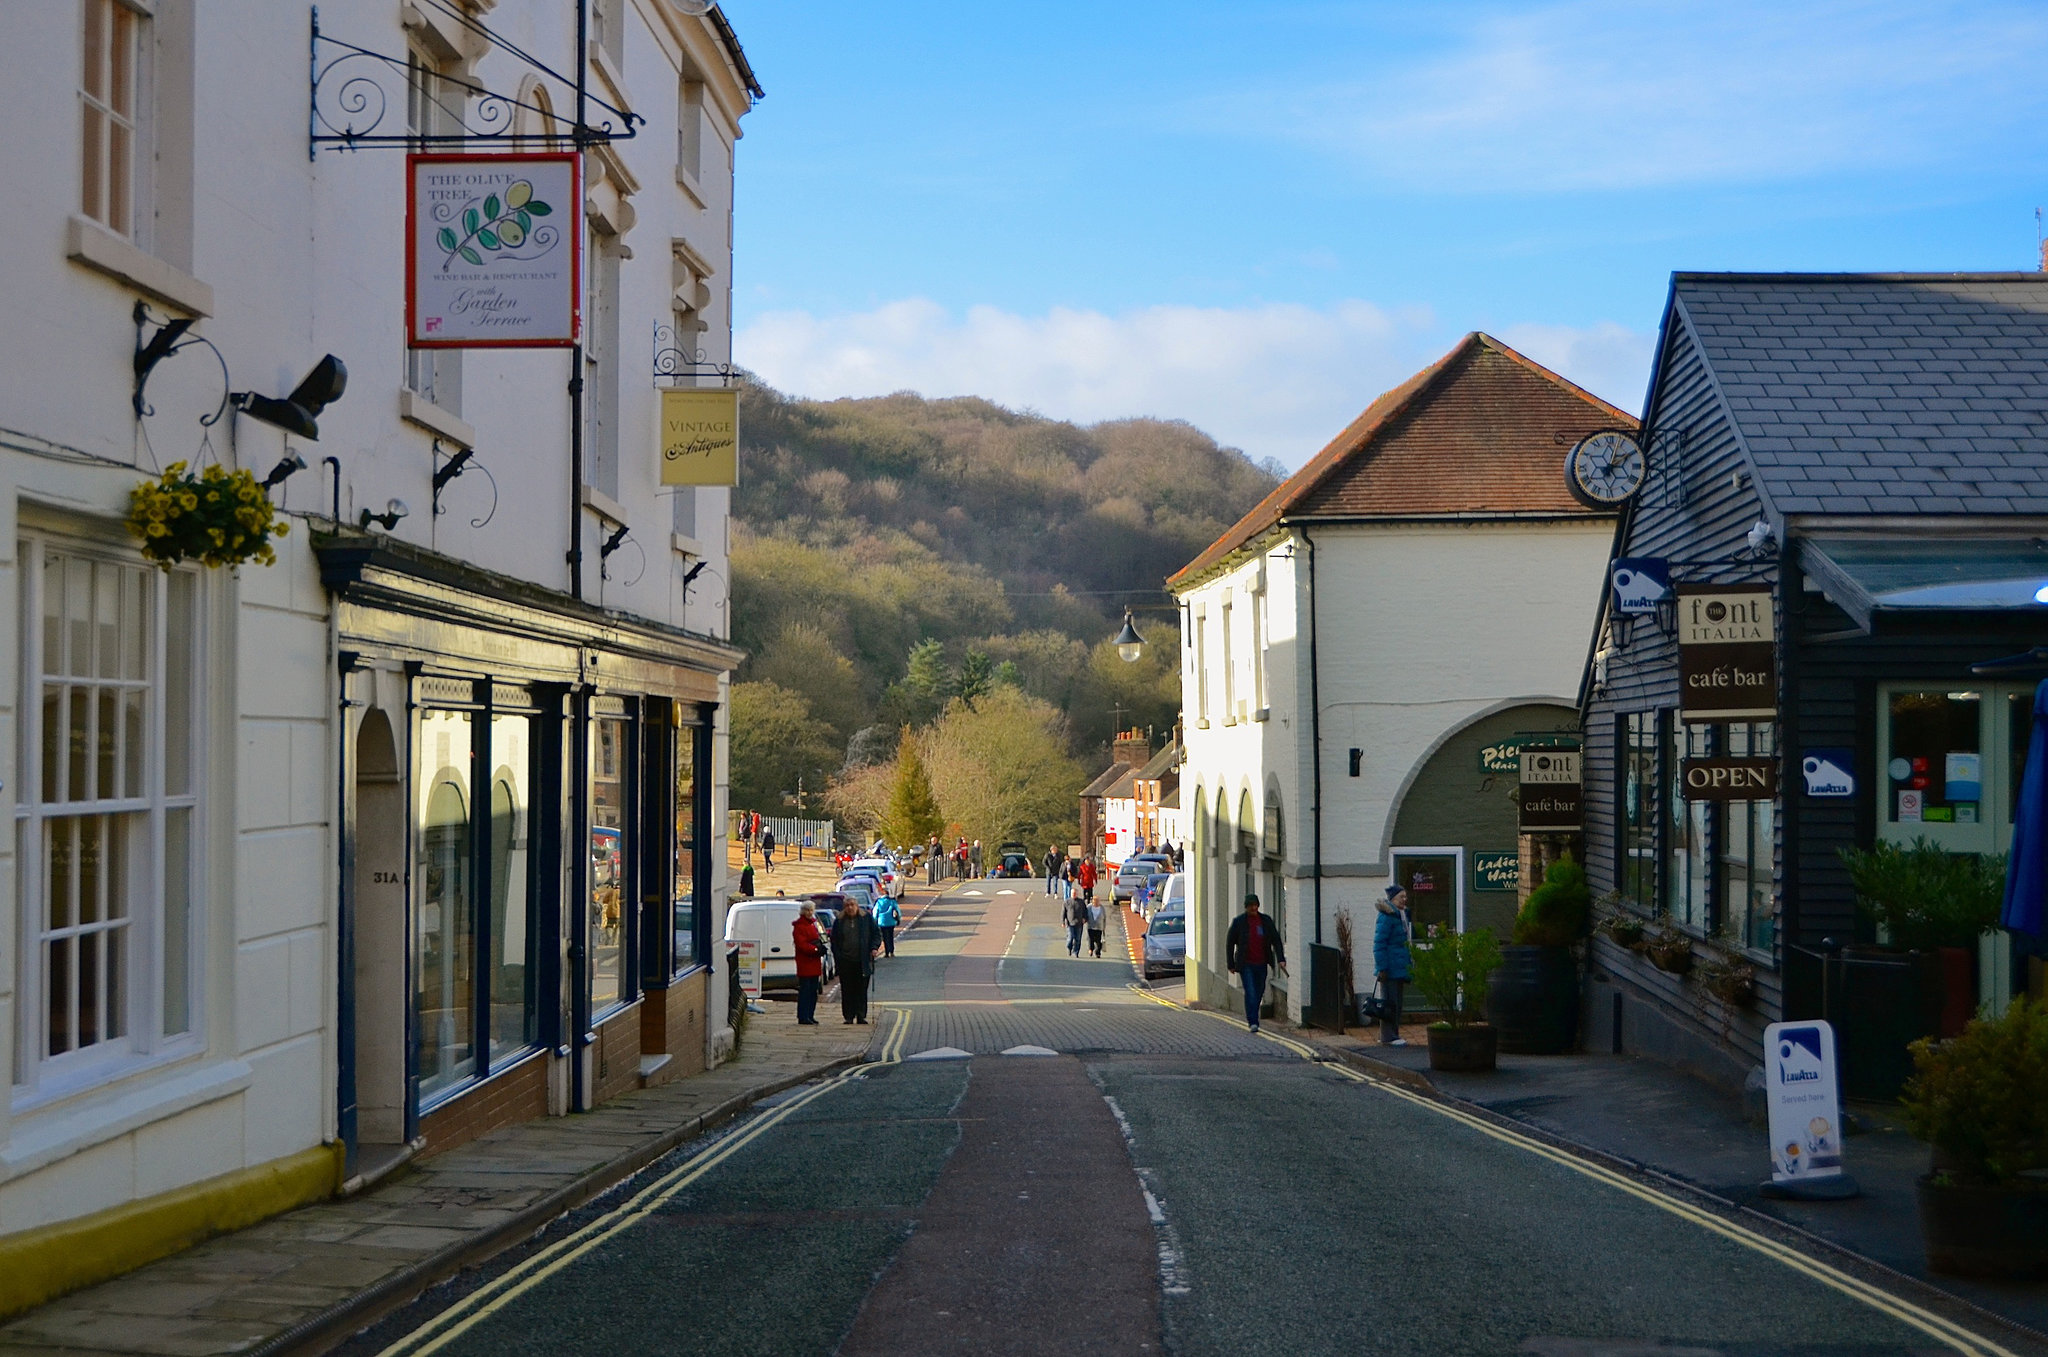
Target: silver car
x=1166, y=943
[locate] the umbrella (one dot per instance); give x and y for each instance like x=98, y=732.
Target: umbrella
x=2026, y=869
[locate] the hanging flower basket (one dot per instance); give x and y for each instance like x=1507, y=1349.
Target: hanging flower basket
x=216, y=517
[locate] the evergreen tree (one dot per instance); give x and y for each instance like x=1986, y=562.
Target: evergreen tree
x=913, y=812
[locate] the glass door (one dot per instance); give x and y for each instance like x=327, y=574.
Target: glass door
x=1435, y=881
x=1949, y=763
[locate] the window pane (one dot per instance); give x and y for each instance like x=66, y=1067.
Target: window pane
x=177, y=968
x=686, y=848
x=89, y=990
x=515, y=1010
x=134, y=751
x=77, y=742
x=60, y=874
x=53, y=745
x=445, y=939
x=1936, y=772
x=57, y=992
x=77, y=616
x=106, y=731
x=106, y=621
x=92, y=163
x=1686, y=865
x=90, y=883
x=181, y=622
x=608, y=859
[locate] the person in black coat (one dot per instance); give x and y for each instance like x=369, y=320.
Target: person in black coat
x=1252, y=946
x=855, y=939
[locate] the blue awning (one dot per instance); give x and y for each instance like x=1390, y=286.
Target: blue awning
x=1865, y=576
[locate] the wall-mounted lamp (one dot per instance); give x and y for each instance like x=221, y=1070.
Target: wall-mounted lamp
x=1129, y=645
x=393, y=511
x=286, y=465
x=297, y=412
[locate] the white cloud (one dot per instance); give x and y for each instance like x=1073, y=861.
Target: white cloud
x=1606, y=94
x=1277, y=380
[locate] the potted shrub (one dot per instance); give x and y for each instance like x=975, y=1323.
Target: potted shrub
x=1669, y=949
x=1533, y=1001
x=1926, y=899
x=1981, y=1100
x=1453, y=971
x=1625, y=929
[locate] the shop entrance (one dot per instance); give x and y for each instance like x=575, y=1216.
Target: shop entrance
x=1435, y=881
x=381, y=997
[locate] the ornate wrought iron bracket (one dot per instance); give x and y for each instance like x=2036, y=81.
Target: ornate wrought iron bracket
x=359, y=99
x=172, y=337
x=673, y=363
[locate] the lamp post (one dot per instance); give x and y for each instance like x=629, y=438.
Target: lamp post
x=1129, y=645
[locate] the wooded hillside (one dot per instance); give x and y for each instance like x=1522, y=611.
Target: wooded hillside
x=894, y=556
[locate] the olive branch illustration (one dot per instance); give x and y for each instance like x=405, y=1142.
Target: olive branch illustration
x=499, y=226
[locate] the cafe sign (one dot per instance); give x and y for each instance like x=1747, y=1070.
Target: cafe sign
x=700, y=436
x=493, y=253
x=1727, y=653
x=1549, y=794
x=1729, y=779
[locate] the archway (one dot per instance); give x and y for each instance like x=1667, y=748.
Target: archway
x=382, y=999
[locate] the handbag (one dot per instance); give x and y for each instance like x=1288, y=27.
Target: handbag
x=1372, y=1007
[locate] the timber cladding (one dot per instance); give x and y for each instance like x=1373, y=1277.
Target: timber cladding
x=506, y=1099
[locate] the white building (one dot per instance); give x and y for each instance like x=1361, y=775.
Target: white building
x=1416, y=595
x=322, y=864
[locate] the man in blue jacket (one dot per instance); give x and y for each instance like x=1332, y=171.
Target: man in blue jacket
x=1251, y=947
x=1390, y=961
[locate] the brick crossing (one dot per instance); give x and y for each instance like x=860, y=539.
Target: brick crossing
x=1138, y=1027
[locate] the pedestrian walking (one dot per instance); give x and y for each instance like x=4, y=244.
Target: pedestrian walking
x=747, y=882
x=1076, y=918
x=1391, y=961
x=1097, y=918
x=1053, y=860
x=1252, y=946
x=887, y=916
x=767, y=850
x=1085, y=878
x=854, y=940
x=974, y=860
x=809, y=945
x=932, y=856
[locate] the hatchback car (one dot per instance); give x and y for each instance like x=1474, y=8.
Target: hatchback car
x=885, y=872
x=770, y=923
x=1133, y=872
x=1166, y=943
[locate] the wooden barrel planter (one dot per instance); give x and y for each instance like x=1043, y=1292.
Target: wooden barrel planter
x=1462, y=1050
x=1534, y=1000
x=1981, y=1231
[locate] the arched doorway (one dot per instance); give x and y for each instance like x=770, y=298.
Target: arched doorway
x=382, y=1000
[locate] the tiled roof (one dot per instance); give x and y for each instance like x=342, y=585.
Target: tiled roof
x=1882, y=394
x=1476, y=433
x=1106, y=779
x=1162, y=763
x=1125, y=786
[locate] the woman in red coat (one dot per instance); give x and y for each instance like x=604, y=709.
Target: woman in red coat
x=1088, y=878
x=810, y=963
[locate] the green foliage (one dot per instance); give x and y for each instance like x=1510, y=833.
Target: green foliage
x=977, y=674
x=1926, y=897
x=1981, y=1099
x=912, y=815
x=1001, y=770
x=1146, y=691
x=1560, y=911
x=1454, y=970
x=803, y=659
x=775, y=739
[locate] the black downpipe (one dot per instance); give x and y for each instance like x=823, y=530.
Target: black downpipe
x=481, y=892
x=700, y=846
x=1315, y=731
x=345, y=932
x=578, y=139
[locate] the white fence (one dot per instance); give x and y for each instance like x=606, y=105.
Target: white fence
x=788, y=832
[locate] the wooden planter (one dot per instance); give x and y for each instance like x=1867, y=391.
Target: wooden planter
x=1463, y=1050
x=1670, y=954
x=1974, y=1231
x=1533, y=1000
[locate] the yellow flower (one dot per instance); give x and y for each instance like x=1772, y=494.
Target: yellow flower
x=188, y=501
x=282, y=528
x=157, y=530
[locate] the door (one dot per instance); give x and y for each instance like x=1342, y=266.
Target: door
x=1435, y=881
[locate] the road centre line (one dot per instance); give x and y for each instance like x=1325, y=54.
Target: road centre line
x=500, y=1291
x=1934, y=1326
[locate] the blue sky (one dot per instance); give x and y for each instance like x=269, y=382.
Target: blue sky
x=1257, y=216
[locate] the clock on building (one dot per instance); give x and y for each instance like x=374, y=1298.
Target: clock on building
x=1605, y=469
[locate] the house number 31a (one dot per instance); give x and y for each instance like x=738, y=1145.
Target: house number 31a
x=384, y=878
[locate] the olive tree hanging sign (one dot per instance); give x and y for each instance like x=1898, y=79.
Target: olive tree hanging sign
x=492, y=251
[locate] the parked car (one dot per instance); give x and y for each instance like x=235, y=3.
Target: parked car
x=1146, y=901
x=1016, y=864
x=885, y=871
x=861, y=888
x=769, y=922
x=1133, y=872
x=1171, y=895
x=1166, y=943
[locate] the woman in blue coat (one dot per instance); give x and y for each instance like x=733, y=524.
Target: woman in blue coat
x=1391, y=962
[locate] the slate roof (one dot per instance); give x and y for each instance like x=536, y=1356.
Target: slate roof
x=1105, y=779
x=1882, y=393
x=1162, y=763
x=1474, y=434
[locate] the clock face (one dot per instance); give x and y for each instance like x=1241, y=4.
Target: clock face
x=1605, y=469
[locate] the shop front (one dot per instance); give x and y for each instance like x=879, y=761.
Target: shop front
x=526, y=859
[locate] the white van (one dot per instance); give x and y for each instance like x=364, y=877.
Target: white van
x=769, y=922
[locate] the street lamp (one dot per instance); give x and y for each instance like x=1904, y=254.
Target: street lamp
x=1129, y=645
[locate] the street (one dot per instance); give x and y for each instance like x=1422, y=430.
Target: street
x=1166, y=1182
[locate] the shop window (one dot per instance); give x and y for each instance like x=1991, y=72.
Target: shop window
x=107, y=849
x=610, y=852
x=687, y=894
x=1935, y=774
x=1636, y=816
x=514, y=962
x=1747, y=837
x=1688, y=866
x=445, y=945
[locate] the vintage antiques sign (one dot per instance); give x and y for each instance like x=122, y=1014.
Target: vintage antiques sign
x=1496, y=871
x=1830, y=773
x=493, y=251
x=1640, y=584
x=1799, y=1091
x=1727, y=653
x=1550, y=791
x=700, y=436
x=1729, y=779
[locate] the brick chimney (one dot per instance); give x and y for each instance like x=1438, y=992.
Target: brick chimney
x=1133, y=749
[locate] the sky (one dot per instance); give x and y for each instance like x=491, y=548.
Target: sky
x=1257, y=216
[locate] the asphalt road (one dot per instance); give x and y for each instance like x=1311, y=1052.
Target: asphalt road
x=1043, y=1158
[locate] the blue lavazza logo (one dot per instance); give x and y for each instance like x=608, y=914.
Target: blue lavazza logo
x=1640, y=584
x=1828, y=772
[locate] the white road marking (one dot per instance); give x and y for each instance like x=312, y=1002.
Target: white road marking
x=1029, y=1050
x=942, y=1053
x=1173, y=1279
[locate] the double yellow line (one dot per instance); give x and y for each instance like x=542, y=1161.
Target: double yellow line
x=1943, y=1331
x=501, y=1291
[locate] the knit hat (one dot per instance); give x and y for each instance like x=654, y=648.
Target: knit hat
x=1394, y=890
